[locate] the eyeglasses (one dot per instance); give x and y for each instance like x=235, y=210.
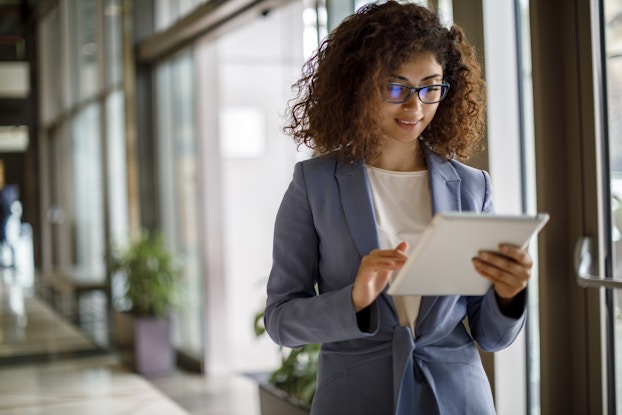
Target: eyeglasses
x=395, y=93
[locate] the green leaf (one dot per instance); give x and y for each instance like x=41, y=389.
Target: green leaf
x=152, y=275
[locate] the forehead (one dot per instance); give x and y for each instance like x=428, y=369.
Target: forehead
x=423, y=65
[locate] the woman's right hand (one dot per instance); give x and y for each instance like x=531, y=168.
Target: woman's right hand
x=374, y=273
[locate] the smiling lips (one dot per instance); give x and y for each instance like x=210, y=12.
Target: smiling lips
x=408, y=123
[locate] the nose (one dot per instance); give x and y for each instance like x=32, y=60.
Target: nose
x=413, y=103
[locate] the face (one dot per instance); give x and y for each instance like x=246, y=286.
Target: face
x=405, y=122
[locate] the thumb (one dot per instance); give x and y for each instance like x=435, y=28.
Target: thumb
x=402, y=247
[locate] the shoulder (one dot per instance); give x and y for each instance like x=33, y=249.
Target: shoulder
x=469, y=173
x=320, y=162
x=313, y=174
x=475, y=187
x=452, y=170
x=318, y=168
x=474, y=184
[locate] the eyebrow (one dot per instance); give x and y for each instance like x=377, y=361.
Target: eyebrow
x=403, y=78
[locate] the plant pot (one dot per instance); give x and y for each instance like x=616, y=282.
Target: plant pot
x=144, y=343
x=274, y=401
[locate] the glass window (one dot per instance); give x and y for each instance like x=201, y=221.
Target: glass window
x=118, y=215
x=67, y=57
x=445, y=11
x=612, y=26
x=315, y=21
x=529, y=183
x=88, y=216
x=55, y=212
x=113, y=30
x=117, y=167
x=167, y=12
x=179, y=189
x=49, y=58
x=77, y=138
x=84, y=46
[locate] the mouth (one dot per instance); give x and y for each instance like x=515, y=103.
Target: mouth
x=407, y=122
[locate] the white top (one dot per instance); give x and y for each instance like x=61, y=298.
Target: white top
x=403, y=208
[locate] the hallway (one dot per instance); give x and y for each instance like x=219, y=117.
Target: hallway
x=48, y=366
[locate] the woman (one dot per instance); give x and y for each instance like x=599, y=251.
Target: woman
x=390, y=101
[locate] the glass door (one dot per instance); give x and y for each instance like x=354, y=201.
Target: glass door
x=607, y=41
x=611, y=24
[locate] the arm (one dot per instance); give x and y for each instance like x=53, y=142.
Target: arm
x=497, y=318
x=295, y=315
x=490, y=327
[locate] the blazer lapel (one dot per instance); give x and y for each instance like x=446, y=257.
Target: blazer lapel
x=444, y=184
x=445, y=189
x=358, y=206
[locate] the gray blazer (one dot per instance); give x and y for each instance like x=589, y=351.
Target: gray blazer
x=368, y=363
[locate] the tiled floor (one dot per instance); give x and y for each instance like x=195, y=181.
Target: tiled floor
x=201, y=395
x=48, y=366
x=100, y=385
x=87, y=386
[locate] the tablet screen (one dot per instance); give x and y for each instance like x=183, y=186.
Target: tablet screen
x=441, y=264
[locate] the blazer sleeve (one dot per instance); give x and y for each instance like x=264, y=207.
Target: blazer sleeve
x=492, y=329
x=295, y=314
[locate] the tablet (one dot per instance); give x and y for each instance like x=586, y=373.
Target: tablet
x=440, y=263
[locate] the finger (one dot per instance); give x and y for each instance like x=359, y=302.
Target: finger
x=382, y=265
x=402, y=247
x=506, y=283
x=387, y=257
x=387, y=253
x=516, y=253
x=391, y=256
x=507, y=263
x=371, y=265
x=496, y=277
x=500, y=267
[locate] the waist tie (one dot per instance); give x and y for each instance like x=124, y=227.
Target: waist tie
x=413, y=388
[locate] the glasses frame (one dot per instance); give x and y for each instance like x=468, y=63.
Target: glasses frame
x=417, y=90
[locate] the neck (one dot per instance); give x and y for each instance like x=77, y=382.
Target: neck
x=401, y=157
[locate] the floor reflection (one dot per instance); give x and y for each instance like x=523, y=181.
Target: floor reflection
x=83, y=386
x=30, y=329
x=50, y=366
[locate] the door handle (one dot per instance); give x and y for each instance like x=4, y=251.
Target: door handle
x=584, y=264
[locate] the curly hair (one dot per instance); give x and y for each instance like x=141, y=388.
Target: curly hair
x=330, y=111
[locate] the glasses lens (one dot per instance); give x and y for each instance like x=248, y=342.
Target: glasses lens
x=433, y=93
x=396, y=93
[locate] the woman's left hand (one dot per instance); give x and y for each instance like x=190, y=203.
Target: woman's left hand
x=509, y=270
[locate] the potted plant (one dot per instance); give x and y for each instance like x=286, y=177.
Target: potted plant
x=289, y=389
x=150, y=277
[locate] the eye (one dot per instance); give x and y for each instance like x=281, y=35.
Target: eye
x=431, y=93
x=433, y=88
x=396, y=91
